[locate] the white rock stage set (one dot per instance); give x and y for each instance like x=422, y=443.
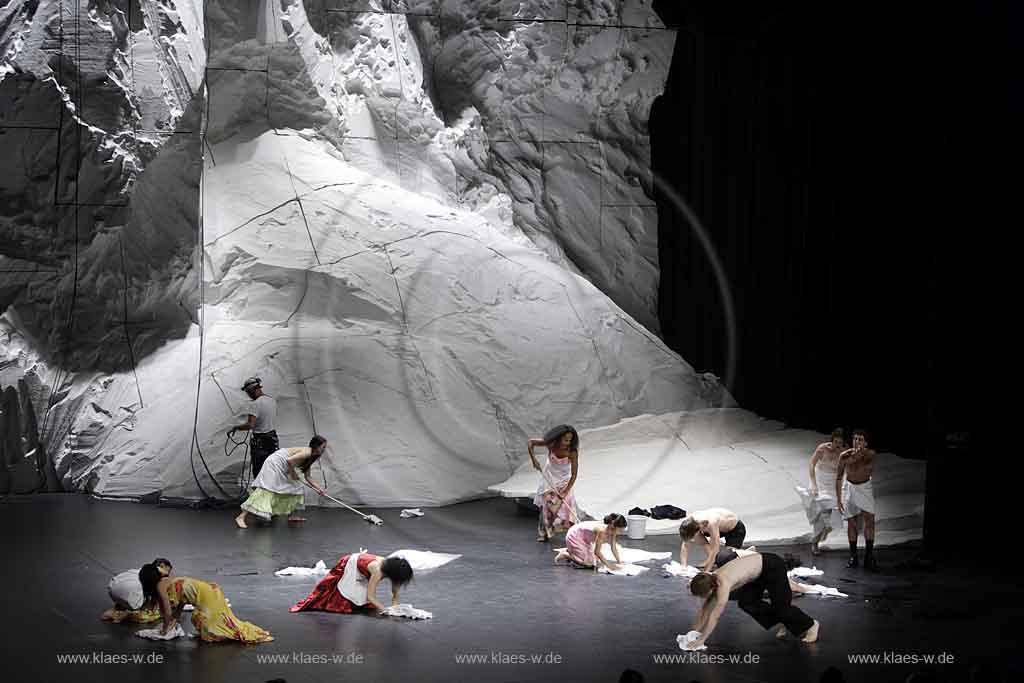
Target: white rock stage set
x=430, y=235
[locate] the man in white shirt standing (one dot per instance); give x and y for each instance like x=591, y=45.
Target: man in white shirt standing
x=262, y=414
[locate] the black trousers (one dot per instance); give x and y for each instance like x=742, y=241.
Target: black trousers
x=260, y=448
x=779, y=606
x=734, y=538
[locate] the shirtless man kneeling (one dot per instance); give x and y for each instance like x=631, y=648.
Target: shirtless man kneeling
x=747, y=578
x=856, y=497
x=707, y=528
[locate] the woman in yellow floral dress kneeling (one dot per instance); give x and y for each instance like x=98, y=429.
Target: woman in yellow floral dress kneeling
x=211, y=617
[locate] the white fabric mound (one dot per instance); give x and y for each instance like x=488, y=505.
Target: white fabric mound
x=424, y=560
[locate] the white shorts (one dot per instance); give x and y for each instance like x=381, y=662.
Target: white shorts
x=858, y=498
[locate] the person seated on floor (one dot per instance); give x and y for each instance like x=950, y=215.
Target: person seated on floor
x=707, y=529
x=584, y=541
x=352, y=584
x=746, y=579
x=130, y=603
x=211, y=616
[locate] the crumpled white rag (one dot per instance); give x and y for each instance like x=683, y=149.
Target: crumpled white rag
x=633, y=555
x=624, y=570
x=154, y=633
x=673, y=568
x=411, y=512
x=803, y=572
x=690, y=637
x=407, y=611
x=319, y=569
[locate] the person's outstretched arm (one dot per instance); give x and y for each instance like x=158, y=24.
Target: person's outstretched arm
x=721, y=599
x=615, y=548
x=371, y=589
x=533, y=457
x=598, y=542
x=840, y=475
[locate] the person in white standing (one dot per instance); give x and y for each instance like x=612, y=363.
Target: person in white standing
x=818, y=501
x=261, y=418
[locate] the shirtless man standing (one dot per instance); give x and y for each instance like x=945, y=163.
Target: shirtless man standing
x=707, y=528
x=747, y=578
x=819, y=508
x=856, y=497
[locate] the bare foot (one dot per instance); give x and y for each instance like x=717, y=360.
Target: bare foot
x=541, y=538
x=240, y=521
x=292, y=520
x=811, y=634
x=780, y=633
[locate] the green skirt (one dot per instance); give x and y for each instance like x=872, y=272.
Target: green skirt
x=265, y=504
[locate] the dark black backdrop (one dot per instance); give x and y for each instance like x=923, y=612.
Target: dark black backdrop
x=844, y=164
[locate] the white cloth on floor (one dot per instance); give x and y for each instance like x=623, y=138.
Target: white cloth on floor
x=154, y=633
x=690, y=637
x=632, y=555
x=411, y=512
x=126, y=589
x=422, y=560
x=673, y=568
x=623, y=570
x=858, y=498
x=802, y=572
x=823, y=591
x=353, y=585
x=319, y=569
x=407, y=611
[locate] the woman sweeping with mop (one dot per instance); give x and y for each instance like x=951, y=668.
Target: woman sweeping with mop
x=278, y=490
x=554, y=494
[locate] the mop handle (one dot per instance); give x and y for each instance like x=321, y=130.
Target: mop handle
x=332, y=498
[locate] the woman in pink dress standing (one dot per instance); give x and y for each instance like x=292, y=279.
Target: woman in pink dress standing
x=554, y=494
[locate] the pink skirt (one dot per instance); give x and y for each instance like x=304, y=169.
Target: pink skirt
x=579, y=541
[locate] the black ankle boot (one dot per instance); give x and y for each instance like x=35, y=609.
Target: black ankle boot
x=870, y=564
x=853, y=562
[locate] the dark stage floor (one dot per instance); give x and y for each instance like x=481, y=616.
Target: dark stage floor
x=502, y=598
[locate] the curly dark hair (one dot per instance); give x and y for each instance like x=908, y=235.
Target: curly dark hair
x=556, y=433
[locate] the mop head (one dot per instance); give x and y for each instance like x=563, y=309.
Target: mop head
x=374, y=519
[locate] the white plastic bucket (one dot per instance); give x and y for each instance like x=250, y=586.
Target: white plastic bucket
x=636, y=526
